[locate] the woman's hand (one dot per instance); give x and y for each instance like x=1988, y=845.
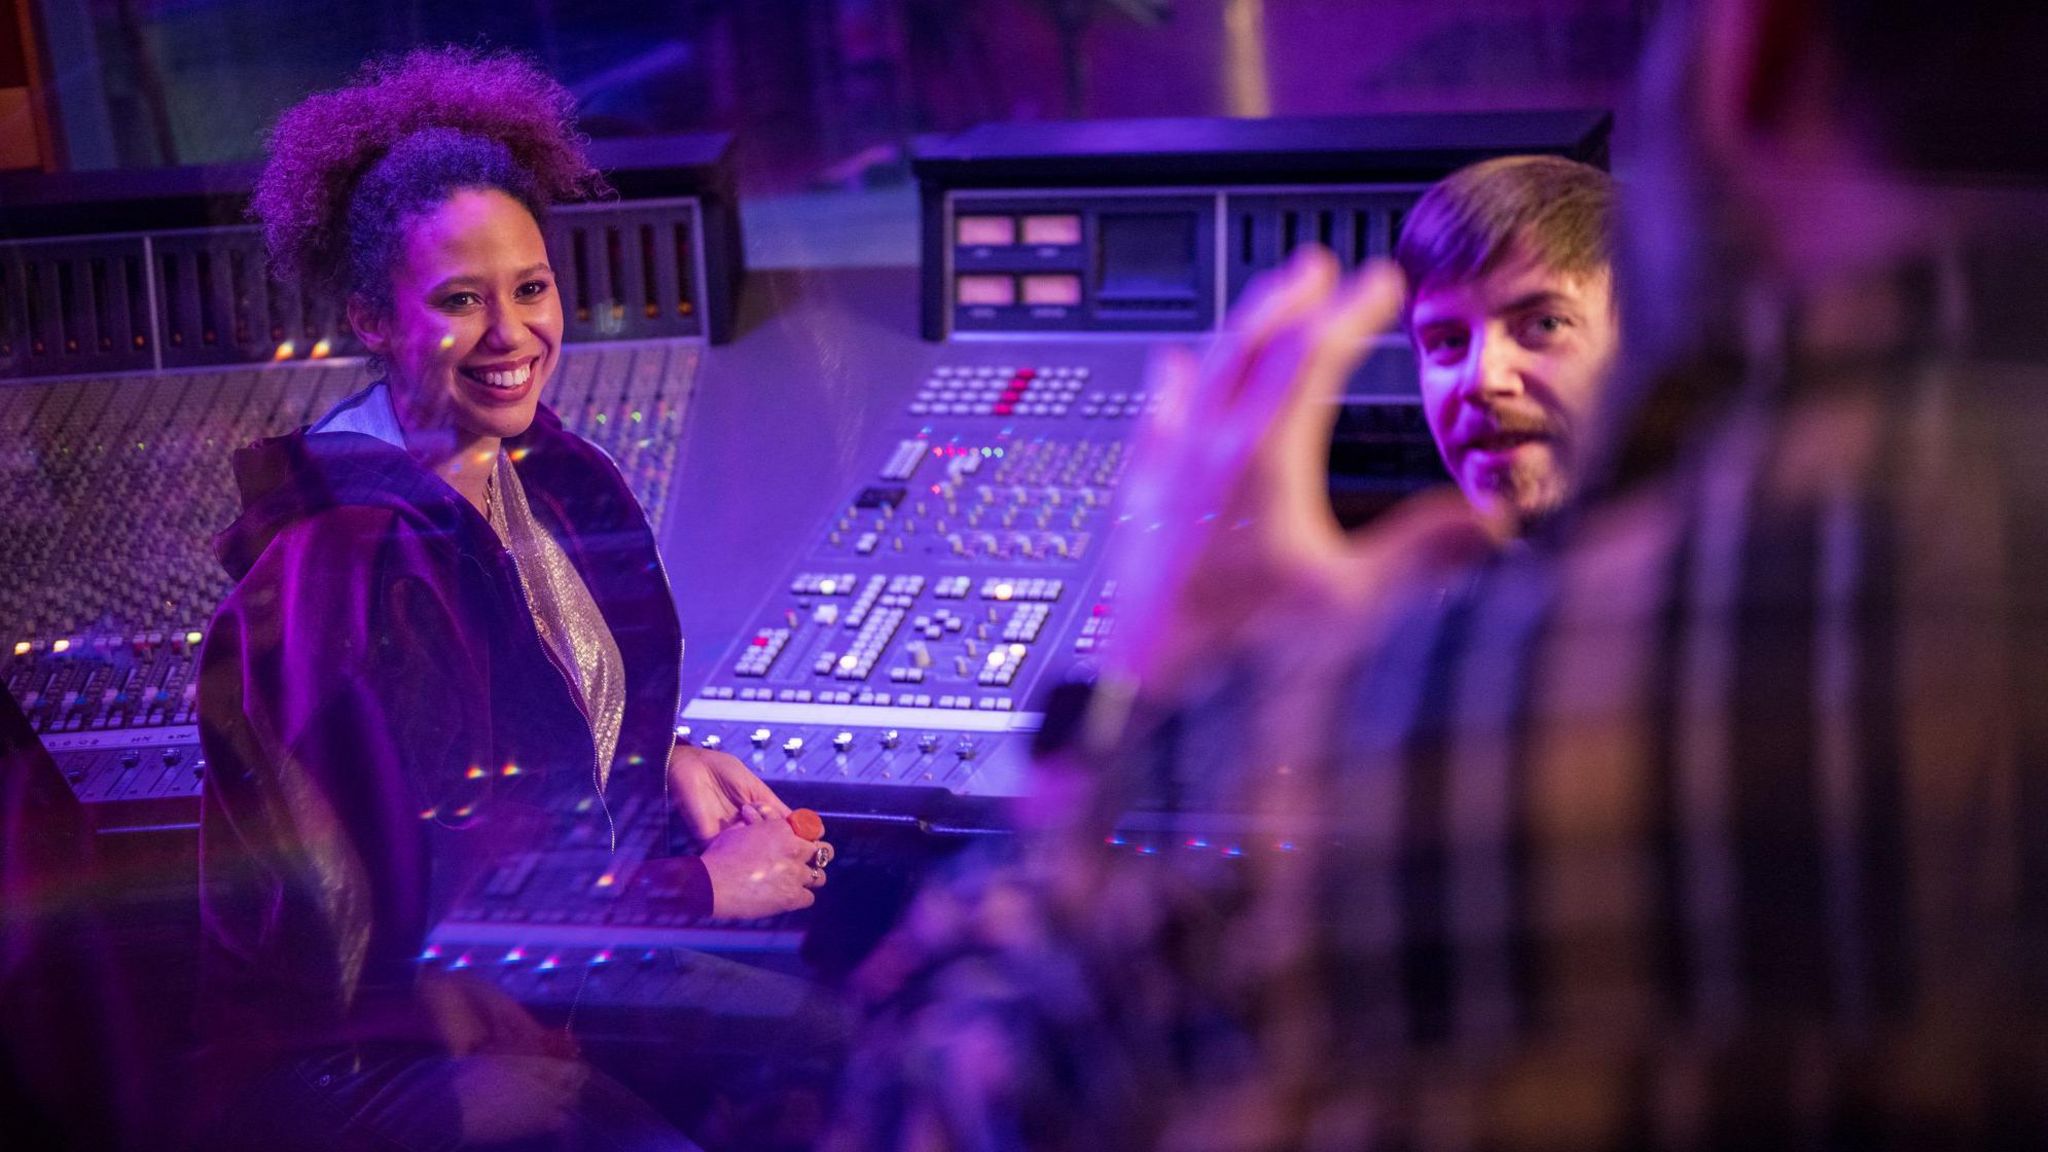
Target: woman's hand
x=711, y=788
x=758, y=867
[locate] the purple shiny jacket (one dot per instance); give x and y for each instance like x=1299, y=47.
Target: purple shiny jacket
x=382, y=722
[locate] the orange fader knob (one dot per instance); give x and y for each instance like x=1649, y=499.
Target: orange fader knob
x=807, y=825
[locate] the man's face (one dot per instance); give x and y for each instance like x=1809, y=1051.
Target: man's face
x=1512, y=363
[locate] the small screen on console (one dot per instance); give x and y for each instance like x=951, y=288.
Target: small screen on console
x=1147, y=259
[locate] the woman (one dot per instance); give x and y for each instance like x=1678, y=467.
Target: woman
x=449, y=619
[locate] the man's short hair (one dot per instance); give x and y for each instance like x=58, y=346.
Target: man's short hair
x=1558, y=211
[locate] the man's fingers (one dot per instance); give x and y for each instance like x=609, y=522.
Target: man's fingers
x=1269, y=307
x=1303, y=369
x=1172, y=375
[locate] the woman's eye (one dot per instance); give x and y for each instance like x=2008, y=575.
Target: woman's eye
x=456, y=300
x=534, y=289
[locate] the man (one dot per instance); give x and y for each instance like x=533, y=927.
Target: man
x=1717, y=823
x=1513, y=324
x=1512, y=320
x=1508, y=266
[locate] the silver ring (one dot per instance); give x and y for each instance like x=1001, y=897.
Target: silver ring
x=817, y=875
x=822, y=856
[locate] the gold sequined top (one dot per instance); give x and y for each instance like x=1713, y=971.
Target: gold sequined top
x=565, y=614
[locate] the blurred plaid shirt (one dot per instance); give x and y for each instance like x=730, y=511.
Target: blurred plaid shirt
x=1723, y=823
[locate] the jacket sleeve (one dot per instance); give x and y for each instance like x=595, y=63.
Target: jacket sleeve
x=345, y=716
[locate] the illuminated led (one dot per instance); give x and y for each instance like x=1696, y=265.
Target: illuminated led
x=985, y=290
x=433, y=952
x=1063, y=229
x=986, y=231
x=1018, y=651
x=515, y=955
x=1054, y=291
x=447, y=341
x=464, y=812
x=429, y=813
x=849, y=661
x=828, y=587
x=61, y=646
x=603, y=956
x=553, y=962
x=996, y=658
x=1004, y=591
x=462, y=961
x=607, y=880
x=511, y=769
x=194, y=637
x=322, y=349
x=476, y=772
x=21, y=647
x=284, y=351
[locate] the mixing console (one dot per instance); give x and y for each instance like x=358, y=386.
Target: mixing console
x=573, y=922
x=884, y=550
x=111, y=490
x=906, y=643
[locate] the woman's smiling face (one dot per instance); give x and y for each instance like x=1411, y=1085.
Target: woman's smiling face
x=474, y=327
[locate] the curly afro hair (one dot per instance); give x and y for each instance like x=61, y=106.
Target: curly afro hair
x=349, y=168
